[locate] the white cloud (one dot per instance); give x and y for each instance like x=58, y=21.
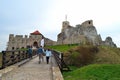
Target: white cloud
x=116, y=39
x=3, y=43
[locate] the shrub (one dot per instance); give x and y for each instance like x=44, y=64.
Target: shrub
x=81, y=55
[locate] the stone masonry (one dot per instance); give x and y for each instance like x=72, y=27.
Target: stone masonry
x=20, y=41
x=81, y=34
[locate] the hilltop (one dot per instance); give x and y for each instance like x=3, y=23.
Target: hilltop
x=88, y=62
x=81, y=55
x=85, y=55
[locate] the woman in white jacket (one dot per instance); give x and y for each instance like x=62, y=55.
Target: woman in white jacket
x=48, y=54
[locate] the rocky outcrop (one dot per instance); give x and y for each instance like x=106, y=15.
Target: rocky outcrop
x=82, y=33
x=108, y=42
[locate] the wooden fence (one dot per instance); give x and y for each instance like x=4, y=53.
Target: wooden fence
x=14, y=56
x=59, y=59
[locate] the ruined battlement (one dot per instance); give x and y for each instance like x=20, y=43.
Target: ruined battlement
x=66, y=24
x=87, y=23
x=17, y=36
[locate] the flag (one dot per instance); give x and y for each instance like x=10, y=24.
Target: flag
x=42, y=42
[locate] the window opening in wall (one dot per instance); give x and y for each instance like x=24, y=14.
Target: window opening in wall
x=89, y=22
x=12, y=48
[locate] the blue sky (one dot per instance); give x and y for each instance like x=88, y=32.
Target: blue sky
x=21, y=17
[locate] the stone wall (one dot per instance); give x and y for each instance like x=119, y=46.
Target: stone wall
x=82, y=33
x=20, y=41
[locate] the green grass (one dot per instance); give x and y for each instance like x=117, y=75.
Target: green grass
x=108, y=55
x=95, y=72
x=98, y=70
x=62, y=48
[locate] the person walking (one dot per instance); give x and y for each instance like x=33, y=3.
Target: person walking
x=40, y=53
x=42, y=42
x=48, y=54
x=30, y=52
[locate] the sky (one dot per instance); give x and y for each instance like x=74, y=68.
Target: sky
x=22, y=17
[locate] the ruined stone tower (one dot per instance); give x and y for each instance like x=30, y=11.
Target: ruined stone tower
x=65, y=25
x=80, y=34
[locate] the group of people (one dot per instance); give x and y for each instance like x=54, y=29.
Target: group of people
x=41, y=52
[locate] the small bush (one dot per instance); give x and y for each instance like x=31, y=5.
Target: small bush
x=81, y=55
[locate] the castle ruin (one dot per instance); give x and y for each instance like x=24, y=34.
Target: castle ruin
x=20, y=41
x=82, y=34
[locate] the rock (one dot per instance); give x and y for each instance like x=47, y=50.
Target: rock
x=108, y=42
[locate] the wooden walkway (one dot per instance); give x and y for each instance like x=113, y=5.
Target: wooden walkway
x=31, y=70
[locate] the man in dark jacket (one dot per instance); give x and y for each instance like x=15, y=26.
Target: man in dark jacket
x=40, y=53
x=30, y=52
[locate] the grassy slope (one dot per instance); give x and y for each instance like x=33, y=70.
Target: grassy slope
x=61, y=48
x=104, y=55
x=95, y=72
x=108, y=55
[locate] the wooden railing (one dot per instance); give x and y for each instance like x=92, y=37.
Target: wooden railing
x=59, y=59
x=14, y=56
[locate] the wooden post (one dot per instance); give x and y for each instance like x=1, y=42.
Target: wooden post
x=3, y=59
x=19, y=56
x=12, y=57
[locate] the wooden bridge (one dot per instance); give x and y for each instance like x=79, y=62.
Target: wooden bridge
x=17, y=66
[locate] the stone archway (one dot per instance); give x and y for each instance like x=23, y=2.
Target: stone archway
x=35, y=44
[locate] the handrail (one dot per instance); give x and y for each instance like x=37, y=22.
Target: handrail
x=14, y=56
x=60, y=61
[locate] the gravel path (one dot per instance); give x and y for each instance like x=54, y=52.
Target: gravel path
x=32, y=70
